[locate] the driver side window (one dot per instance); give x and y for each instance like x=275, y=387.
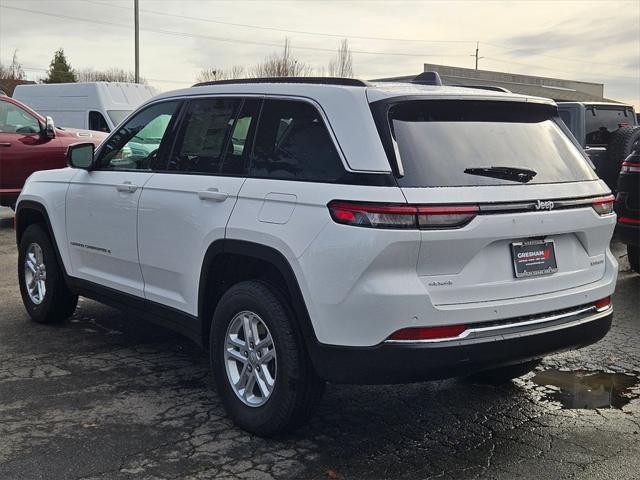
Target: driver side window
x=138, y=144
x=16, y=120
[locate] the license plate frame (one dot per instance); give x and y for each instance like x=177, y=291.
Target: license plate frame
x=539, y=259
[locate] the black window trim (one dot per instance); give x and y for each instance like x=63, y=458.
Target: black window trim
x=350, y=176
x=168, y=138
x=380, y=111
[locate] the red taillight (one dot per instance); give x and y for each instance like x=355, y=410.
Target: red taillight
x=401, y=215
x=632, y=221
x=413, y=334
x=603, y=304
x=603, y=205
x=630, y=167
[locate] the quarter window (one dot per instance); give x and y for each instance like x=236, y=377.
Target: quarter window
x=292, y=142
x=137, y=144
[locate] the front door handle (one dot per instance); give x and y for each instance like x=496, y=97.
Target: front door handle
x=126, y=187
x=213, y=194
x=5, y=144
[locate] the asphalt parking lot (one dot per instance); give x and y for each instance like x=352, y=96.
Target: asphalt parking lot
x=108, y=396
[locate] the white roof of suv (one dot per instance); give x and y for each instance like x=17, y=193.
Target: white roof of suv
x=345, y=102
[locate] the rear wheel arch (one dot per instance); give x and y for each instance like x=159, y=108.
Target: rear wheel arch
x=228, y=262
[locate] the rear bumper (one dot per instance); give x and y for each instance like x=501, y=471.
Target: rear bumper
x=390, y=363
x=628, y=233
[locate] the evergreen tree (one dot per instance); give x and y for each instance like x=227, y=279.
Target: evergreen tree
x=60, y=70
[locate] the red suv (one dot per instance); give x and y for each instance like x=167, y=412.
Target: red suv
x=30, y=142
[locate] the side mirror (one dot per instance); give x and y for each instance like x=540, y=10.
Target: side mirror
x=80, y=155
x=49, y=128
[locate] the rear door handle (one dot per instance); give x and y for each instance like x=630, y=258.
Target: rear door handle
x=5, y=144
x=126, y=187
x=213, y=194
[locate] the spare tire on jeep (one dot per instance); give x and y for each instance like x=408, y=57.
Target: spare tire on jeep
x=621, y=144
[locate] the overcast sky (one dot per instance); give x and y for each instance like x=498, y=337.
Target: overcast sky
x=582, y=40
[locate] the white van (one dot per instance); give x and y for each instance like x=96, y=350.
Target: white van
x=92, y=105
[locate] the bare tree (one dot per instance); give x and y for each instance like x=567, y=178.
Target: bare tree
x=213, y=74
x=14, y=70
x=342, y=64
x=107, y=75
x=281, y=64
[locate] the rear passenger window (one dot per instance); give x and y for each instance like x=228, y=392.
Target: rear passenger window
x=292, y=142
x=205, y=136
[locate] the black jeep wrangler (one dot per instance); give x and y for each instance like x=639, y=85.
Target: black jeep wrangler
x=606, y=131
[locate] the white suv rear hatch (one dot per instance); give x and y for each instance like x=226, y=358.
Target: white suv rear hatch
x=535, y=230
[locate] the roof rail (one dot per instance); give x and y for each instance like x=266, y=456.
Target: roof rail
x=347, y=82
x=427, y=78
x=493, y=88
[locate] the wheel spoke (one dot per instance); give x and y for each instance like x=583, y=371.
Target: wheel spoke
x=233, y=340
x=265, y=342
x=265, y=382
x=242, y=380
x=246, y=326
x=236, y=355
x=251, y=382
x=30, y=266
x=267, y=357
x=40, y=290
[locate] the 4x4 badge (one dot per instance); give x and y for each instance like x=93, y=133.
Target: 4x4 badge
x=546, y=205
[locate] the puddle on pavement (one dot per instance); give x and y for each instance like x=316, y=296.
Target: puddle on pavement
x=588, y=390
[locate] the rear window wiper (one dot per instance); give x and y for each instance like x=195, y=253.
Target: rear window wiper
x=522, y=175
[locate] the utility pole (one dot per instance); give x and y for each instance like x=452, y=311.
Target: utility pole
x=136, y=26
x=476, y=55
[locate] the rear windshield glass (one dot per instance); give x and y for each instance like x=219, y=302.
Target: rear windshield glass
x=602, y=121
x=469, y=143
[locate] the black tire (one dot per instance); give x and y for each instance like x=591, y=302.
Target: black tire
x=297, y=388
x=58, y=302
x=633, y=254
x=500, y=375
x=620, y=146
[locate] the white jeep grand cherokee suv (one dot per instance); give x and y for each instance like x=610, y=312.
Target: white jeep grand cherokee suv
x=311, y=230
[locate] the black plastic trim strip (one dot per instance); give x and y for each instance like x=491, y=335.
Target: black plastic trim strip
x=537, y=205
x=346, y=82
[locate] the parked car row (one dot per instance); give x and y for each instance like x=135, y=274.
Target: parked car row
x=313, y=229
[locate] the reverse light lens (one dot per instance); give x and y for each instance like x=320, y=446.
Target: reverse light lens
x=603, y=205
x=603, y=304
x=427, y=333
x=401, y=216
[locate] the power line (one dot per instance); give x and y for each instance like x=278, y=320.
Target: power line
x=285, y=30
x=220, y=39
x=335, y=35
